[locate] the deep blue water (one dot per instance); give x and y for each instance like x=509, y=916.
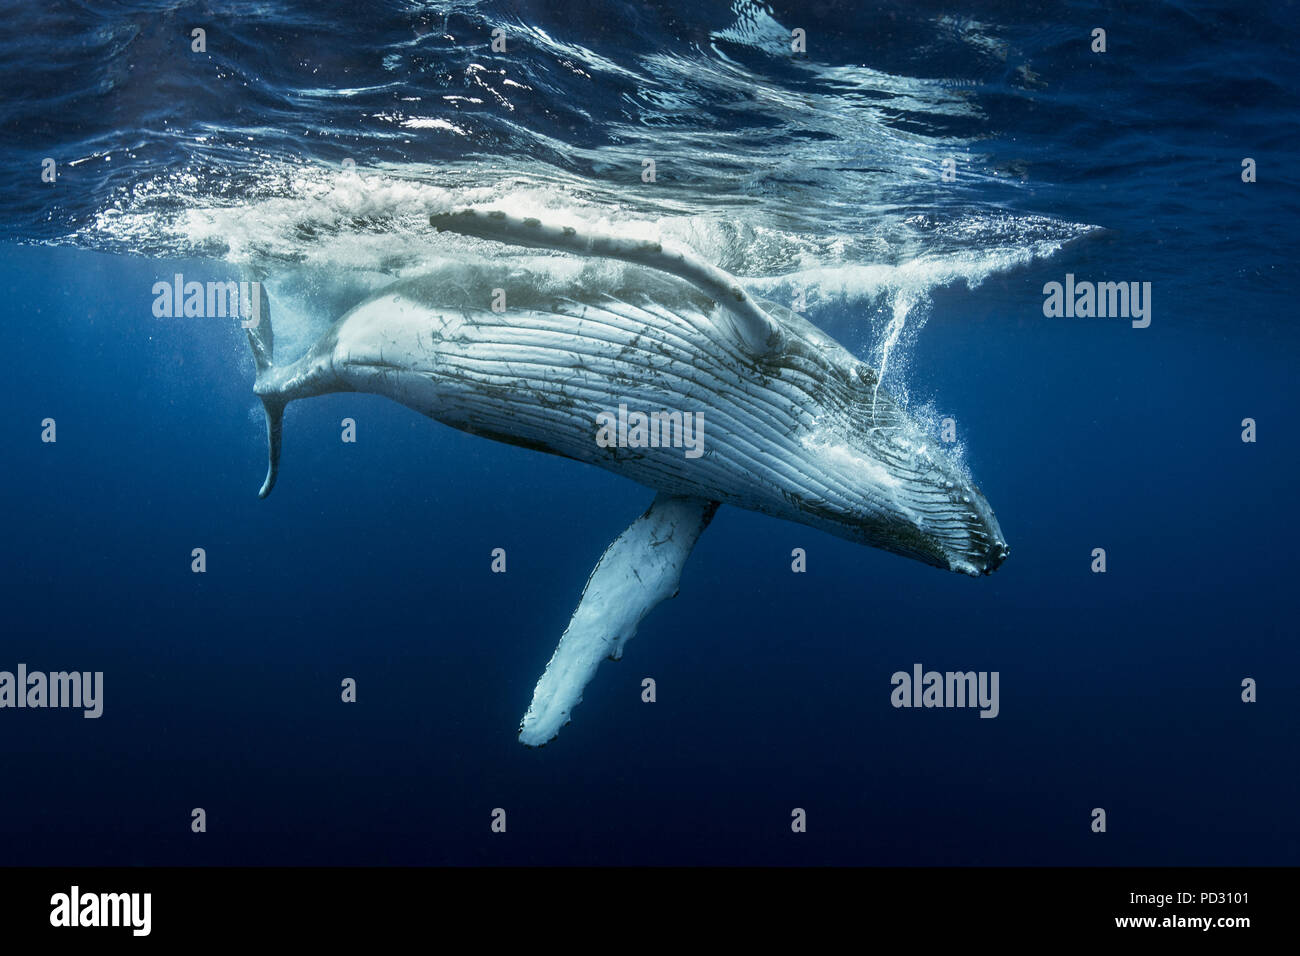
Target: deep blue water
x=371, y=560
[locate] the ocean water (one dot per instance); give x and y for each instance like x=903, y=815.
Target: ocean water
x=306, y=145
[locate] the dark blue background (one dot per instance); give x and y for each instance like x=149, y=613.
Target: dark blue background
x=372, y=560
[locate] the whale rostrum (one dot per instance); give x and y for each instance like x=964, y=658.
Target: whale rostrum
x=788, y=422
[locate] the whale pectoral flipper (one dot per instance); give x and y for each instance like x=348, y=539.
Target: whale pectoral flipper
x=640, y=569
x=757, y=330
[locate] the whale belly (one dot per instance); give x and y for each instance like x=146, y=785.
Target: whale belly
x=803, y=434
x=542, y=379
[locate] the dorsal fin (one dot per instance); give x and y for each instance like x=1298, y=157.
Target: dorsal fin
x=755, y=328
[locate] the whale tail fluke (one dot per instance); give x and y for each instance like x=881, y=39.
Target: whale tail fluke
x=274, y=408
x=260, y=337
x=262, y=342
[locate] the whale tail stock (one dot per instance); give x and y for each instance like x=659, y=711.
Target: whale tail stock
x=262, y=342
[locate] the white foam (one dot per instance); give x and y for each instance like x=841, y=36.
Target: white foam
x=354, y=229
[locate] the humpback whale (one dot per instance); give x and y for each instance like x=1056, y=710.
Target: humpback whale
x=798, y=427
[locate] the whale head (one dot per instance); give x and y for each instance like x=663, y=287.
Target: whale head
x=873, y=473
x=911, y=499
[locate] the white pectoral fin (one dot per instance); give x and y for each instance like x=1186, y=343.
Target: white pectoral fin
x=641, y=568
x=755, y=328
